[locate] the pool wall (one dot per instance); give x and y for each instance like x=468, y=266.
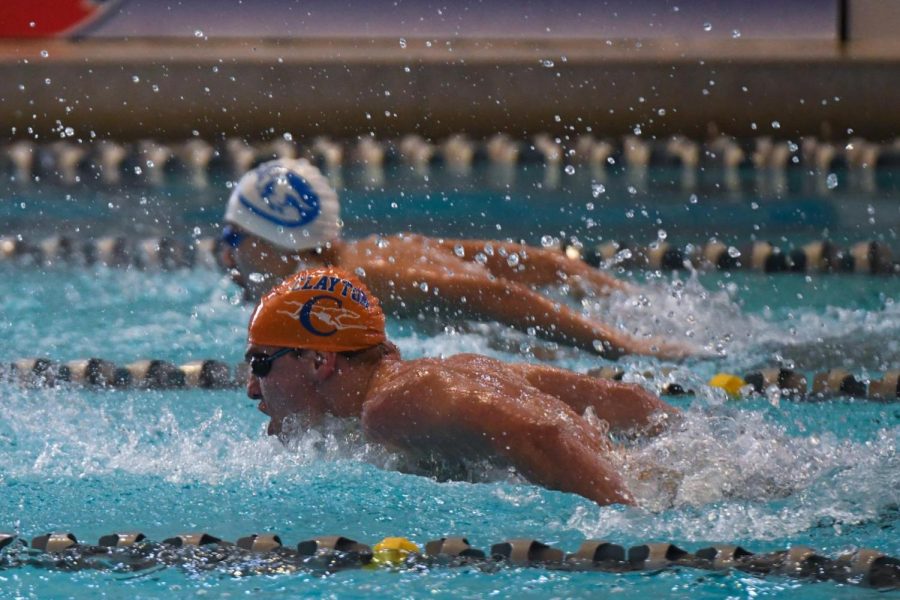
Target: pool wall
x=176, y=88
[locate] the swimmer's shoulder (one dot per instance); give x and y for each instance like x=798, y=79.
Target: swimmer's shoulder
x=436, y=374
x=382, y=241
x=403, y=376
x=394, y=251
x=473, y=362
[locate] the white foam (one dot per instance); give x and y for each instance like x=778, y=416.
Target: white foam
x=724, y=474
x=683, y=309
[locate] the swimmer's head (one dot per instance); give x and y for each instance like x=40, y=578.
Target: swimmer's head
x=323, y=309
x=288, y=203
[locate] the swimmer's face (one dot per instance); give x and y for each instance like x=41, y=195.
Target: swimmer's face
x=257, y=266
x=289, y=389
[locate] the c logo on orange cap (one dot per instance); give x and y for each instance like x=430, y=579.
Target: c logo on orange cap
x=307, y=311
x=322, y=309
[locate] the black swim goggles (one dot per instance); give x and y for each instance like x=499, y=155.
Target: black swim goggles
x=261, y=363
x=231, y=236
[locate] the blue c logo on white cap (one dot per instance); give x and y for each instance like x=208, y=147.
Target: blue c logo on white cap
x=291, y=205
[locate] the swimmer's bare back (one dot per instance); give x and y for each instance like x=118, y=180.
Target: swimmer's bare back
x=476, y=407
x=537, y=266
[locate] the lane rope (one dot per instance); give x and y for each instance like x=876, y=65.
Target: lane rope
x=167, y=253
x=824, y=256
x=73, y=161
x=265, y=553
x=156, y=374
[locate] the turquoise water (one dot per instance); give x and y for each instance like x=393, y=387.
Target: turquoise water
x=766, y=473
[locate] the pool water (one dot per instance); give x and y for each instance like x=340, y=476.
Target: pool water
x=766, y=473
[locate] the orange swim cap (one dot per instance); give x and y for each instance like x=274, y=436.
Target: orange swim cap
x=321, y=309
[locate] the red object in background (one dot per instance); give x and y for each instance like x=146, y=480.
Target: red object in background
x=48, y=18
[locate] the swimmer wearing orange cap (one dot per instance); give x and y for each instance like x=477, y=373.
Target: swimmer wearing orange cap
x=317, y=347
x=283, y=216
x=323, y=309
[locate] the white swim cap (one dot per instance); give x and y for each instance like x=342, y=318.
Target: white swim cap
x=286, y=202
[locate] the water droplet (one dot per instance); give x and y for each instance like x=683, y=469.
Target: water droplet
x=661, y=112
x=693, y=199
x=707, y=26
x=198, y=33
x=480, y=258
x=831, y=181
x=135, y=79
x=570, y=170
x=776, y=125
x=403, y=42
x=44, y=53
x=489, y=249
x=733, y=252
x=513, y=259
x=360, y=271
x=548, y=63
x=735, y=33
x=632, y=190
x=256, y=277
x=459, y=250
x=547, y=241
x=661, y=234
x=792, y=146
x=637, y=130
x=69, y=132
x=423, y=286
x=381, y=242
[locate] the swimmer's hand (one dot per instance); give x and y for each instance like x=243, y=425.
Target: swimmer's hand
x=669, y=350
x=664, y=349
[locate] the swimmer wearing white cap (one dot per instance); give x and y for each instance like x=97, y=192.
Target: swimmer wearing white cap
x=283, y=216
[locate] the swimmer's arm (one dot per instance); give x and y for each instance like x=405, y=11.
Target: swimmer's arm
x=409, y=291
x=625, y=406
x=466, y=295
x=550, y=446
x=540, y=267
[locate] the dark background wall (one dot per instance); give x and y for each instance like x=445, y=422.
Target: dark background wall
x=141, y=69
